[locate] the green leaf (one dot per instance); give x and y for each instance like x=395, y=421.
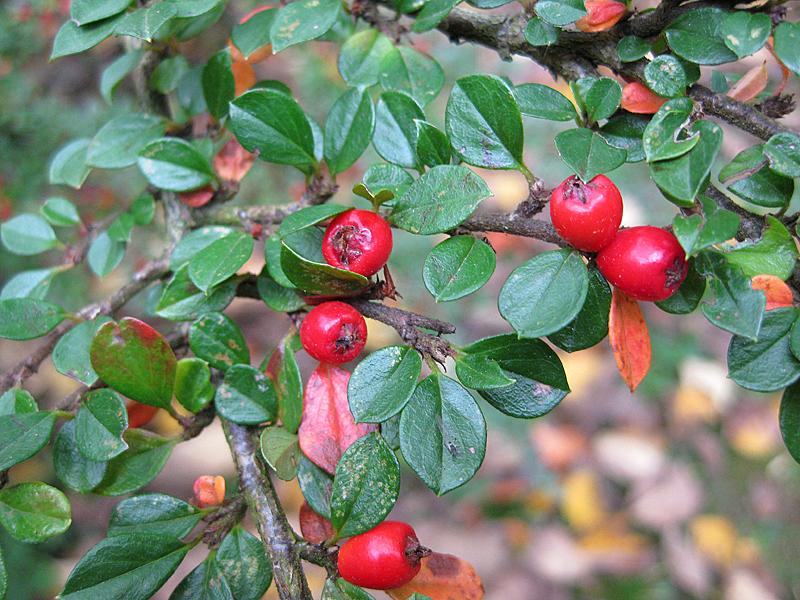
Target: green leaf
x=682, y=178
x=379, y=178
x=348, y=129
x=255, y=32
x=316, y=278
x=242, y=561
x=433, y=12
x=130, y=566
x=382, y=383
x=135, y=360
x=540, y=33
x=766, y=365
x=442, y=434
x=29, y=284
x=89, y=11
x=774, y=254
x=246, y=396
x=72, y=39
x=169, y=73
x=540, y=381
x=193, y=387
x=632, y=48
x=146, y=455
x=696, y=232
x=457, y=267
x=413, y=73
x=543, y=102
x=99, y=424
x=23, y=435
x=215, y=338
x=666, y=135
x=277, y=297
x=281, y=450
x=204, y=582
x=787, y=45
x=145, y=23
x=666, y=76
x=17, y=401
x=554, y=285
x=745, y=33
x=282, y=368
x=591, y=325
x=118, y=70
x=588, y=153
x=480, y=372
x=121, y=228
x=303, y=21
x=273, y=124
x=439, y=200
x=308, y=216
x=219, y=87
x=789, y=421
x=395, y=134
x=174, y=164
x=736, y=307
x=695, y=35
x=27, y=235
x=182, y=301
x=433, y=147
x=73, y=469
x=220, y=260
x=783, y=152
x=484, y=123
x=560, y=12
x=365, y=487
x=625, y=131
x=601, y=97
x=339, y=589
x=105, y=254
x=688, y=296
x=316, y=486
x=60, y=212
x=119, y=142
x=361, y=56
x=153, y=514
x=34, y=511
x=193, y=242
x=763, y=186
x=28, y=318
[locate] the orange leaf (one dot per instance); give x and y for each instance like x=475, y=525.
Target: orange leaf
x=197, y=198
x=328, y=427
x=629, y=337
x=778, y=293
x=233, y=162
x=315, y=528
x=751, y=84
x=601, y=15
x=638, y=98
x=442, y=577
x=244, y=76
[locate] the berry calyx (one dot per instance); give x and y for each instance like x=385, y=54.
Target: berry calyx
x=647, y=263
x=139, y=414
x=640, y=99
x=333, y=332
x=587, y=215
x=358, y=241
x=382, y=558
x=209, y=490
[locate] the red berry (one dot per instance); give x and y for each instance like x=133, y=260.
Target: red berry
x=359, y=241
x=382, y=558
x=647, y=263
x=587, y=215
x=139, y=414
x=333, y=332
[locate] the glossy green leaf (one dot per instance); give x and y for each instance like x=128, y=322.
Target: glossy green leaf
x=715, y=226
x=193, y=242
x=696, y=36
x=277, y=297
x=745, y=33
x=219, y=87
x=395, y=134
x=588, y=153
x=632, y=48
x=146, y=23
x=193, y=387
x=411, y=72
x=787, y=45
x=242, y=561
x=361, y=56
x=316, y=485
x=118, y=70
x=204, y=582
x=560, y=12
x=23, y=435
x=220, y=260
x=543, y=102
x=554, y=285
x=181, y=300
x=433, y=12
x=28, y=318
x=600, y=95
x=255, y=32
x=284, y=372
x=99, y=424
x=281, y=450
x=688, y=296
x=666, y=76
x=442, y=434
x=119, y=142
x=72, y=39
x=174, y=164
x=60, y=212
x=303, y=21
x=246, y=396
x=540, y=33
x=457, y=267
x=17, y=401
x=379, y=178
x=34, y=511
x=339, y=589
x=480, y=372
x=433, y=147
x=89, y=11
x=382, y=383
x=153, y=514
x=170, y=72
x=146, y=455
x=72, y=468
x=667, y=135
x=215, y=338
x=783, y=152
x=484, y=123
x=789, y=421
x=105, y=254
x=317, y=278
x=29, y=284
x=441, y=199
x=625, y=131
x=348, y=129
x=135, y=360
x=747, y=176
x=27, y=235
x=365, y=487
x=591, y=325
x=774, y=254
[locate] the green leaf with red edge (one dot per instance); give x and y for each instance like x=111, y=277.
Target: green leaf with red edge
x=135, y=360
x=328, y=427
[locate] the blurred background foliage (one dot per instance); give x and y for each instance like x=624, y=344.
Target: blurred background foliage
x=682, y=490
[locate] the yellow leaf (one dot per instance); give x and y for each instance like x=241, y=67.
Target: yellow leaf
x=582, y=504
x=715, y=537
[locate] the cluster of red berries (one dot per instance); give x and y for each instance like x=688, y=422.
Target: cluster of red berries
x=647, y=263
x=359, y=241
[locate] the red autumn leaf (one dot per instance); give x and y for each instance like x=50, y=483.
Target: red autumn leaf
x=139, y=414
x=328, y=427
x=638, y=98
x=233, y=162
x=629, y=337
x=197, y=198
x=751, y=84
x=244, y=77
x=315, y=528
x=601, y=15
x=442, y=577
x=778, y=293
